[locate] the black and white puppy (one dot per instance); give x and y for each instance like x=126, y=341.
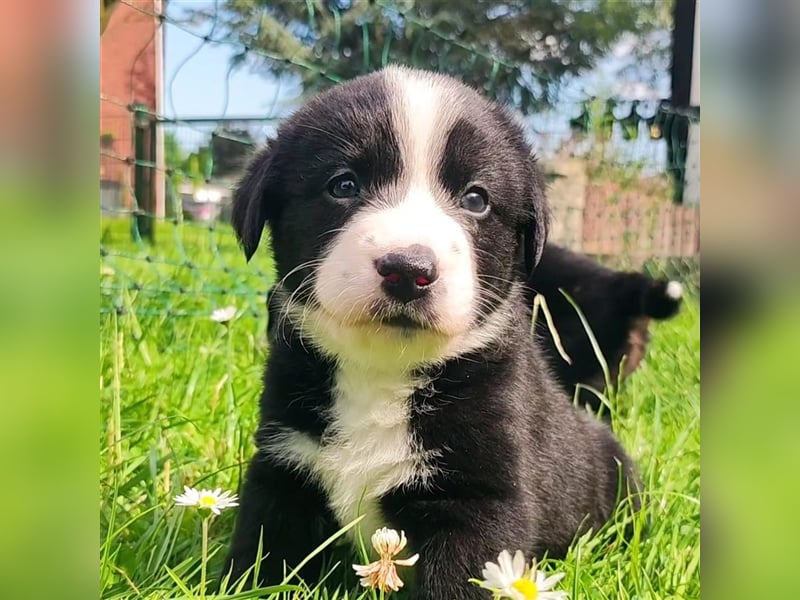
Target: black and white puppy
x=402, y=383
x=618, y=306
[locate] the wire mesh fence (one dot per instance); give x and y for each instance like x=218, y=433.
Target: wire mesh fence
x=616, y=164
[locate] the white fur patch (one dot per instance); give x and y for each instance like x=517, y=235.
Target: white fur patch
x=422, y=120
x=674, y=290
x=367, y=450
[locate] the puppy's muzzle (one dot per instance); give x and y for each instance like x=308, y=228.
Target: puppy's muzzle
x=408, y=273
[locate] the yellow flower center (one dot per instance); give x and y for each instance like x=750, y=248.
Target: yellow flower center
x=207, y=501
x=526, y=587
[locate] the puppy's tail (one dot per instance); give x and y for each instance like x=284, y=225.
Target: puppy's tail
x=662, y=299
x=642, y=296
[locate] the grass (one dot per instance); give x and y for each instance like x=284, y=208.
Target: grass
x=178, y=401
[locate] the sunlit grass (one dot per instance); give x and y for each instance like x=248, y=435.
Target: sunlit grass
x=179, y=399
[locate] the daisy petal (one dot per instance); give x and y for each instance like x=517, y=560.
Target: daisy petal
x=519, y=563
x=547, y=584
x=552, y=596
x=492, y=571
x=505, y=563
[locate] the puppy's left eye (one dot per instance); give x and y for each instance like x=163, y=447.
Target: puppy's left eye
x=476, y=201
x=344, y=185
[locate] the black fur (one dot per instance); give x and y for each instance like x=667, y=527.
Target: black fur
x=618, y=306
x=518, y=466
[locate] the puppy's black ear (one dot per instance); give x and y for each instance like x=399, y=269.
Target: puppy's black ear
x=534, y=233
x=252, y=201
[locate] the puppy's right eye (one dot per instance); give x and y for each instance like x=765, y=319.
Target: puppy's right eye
x=344, y=185
x=475, y=201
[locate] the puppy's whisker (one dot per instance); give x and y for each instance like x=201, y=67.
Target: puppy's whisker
x=483, y=276
x=287, y=307
x=306, y=265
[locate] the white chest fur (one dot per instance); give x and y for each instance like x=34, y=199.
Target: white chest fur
x=367, y=450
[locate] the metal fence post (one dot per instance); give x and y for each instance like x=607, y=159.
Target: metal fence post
x=144, y=132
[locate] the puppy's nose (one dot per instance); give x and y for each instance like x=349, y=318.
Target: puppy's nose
x=407, y=272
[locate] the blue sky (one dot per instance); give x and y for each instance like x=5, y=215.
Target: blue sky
x=197, y=81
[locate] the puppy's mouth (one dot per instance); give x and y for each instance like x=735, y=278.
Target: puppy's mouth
x=407, y=318
x=388, y=321
x=403, y=322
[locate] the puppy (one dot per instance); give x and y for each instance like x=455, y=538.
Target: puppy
x=618, y=307
x=402, y=385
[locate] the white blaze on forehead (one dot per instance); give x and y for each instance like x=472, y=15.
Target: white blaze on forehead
x=421, y=119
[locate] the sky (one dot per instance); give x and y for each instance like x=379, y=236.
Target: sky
x=195, y=76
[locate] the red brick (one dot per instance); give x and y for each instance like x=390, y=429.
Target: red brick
x=127, y=75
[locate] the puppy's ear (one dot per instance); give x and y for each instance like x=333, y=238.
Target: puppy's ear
x=253, y=205
x=535, y=230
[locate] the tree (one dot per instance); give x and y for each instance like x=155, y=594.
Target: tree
x=518, y=51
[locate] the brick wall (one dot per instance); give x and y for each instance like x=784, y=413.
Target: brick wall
x=638, y=221
x=128, y=73
x=635, y=220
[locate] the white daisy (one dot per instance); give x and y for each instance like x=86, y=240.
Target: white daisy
x=514, y=579
x=223, y=315
x=382, y=574
x=215, y=500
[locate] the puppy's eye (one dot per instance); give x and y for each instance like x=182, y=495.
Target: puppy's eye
x=344, y=186
x=476, y=201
